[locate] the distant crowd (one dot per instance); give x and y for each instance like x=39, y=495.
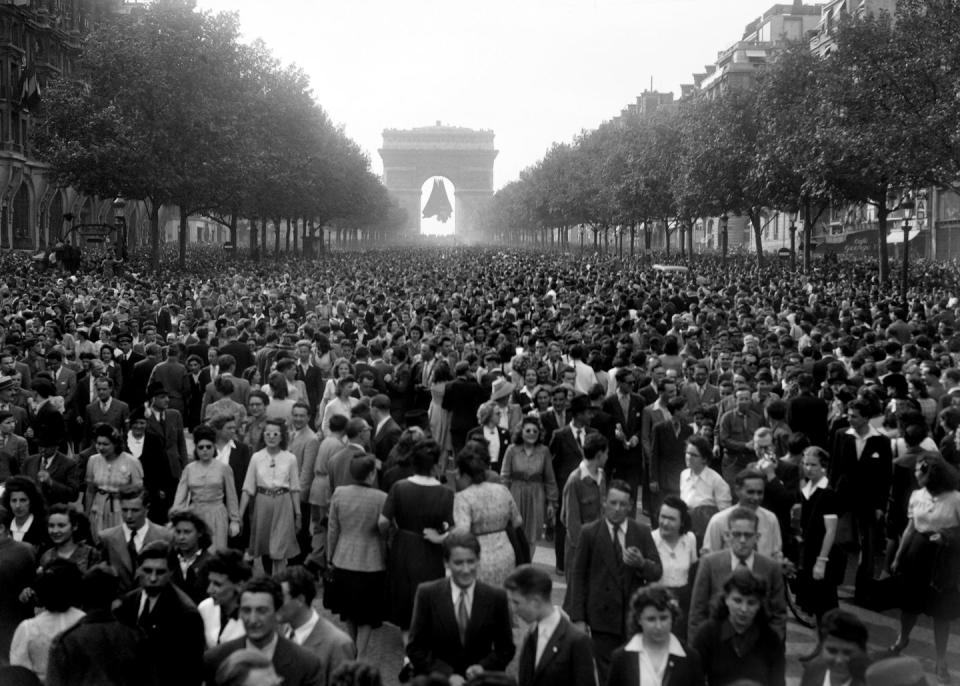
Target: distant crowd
x=202, y=467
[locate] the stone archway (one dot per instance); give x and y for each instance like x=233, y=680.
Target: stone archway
x=464, y=156
x=23, y=238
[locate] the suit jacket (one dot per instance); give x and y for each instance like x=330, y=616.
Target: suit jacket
x=99, y=650
x=305, y=443
x=312, y=380
x=808, y=414
x=551, y=423
x=566, y=452
x=241, y=393
x=174, y=442
x=128, y=393
x=116, y=416
x=332, y=645
x=669, y=447
x=66, y=382
x=622, y=457
x=194, y=582
x=64, y=484
x=21, y=418
x=135, y=391
x=567, y=659
x=600, y=585
x=685, y=670
x=463, y=397
x=49, y=422
x=194, y=401
x=714, y=570
x=651, y=417
x=434, y=644
x=862, y=485
x=400, y=389
x=113, y=549
x=240, y=352
x=173, y=376
x=13, y=456
x=385, y=438
x=708, y=399
x=174, y=633
x=298, y=666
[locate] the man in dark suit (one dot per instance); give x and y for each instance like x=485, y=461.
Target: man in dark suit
x=422, y=373
x=121, y=545
x=45, y=419
x=669, y=449
x=556, y=417
x=311, y=375
x=240, y=352
x=173, y=375
x=65, y=380
x=386, y=431
x=127, y=361
x=554, y=653
x=566, y=450
x=715, y=568
x=105, y=409
x=136, y=390
x=168, y=424
x=700, y=393
x=167, y=617
x=399, y=385
x=807, y=413
x=861, y=473
x=616, y=555
x=260, y=601
x=462, y=397
x=626, y=450
x=461, y=626
x=57, y=475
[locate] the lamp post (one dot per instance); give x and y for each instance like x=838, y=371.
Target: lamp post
x=793, y=240
x=907, y=205
x=724, y=219
x=120, y=221
x=619, y=234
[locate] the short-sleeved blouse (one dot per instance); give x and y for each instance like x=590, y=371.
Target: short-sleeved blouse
x=934, y=513
x=677, y=560
x=272, y=471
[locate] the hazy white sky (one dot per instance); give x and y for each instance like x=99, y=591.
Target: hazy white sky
x=534, y=71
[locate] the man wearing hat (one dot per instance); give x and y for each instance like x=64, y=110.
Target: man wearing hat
x=168, y=424
x=57, y=475
x=501, y=392
x=566, y=448
x=21, y=419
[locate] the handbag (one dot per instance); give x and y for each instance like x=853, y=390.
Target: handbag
x=521, y=546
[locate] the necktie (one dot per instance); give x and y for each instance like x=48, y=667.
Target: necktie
x=617, y=549
x=132, y=547
x=580, y=438
x=534, y=641
x=142, y=620
x=741, y=563
x=625, y=404
x=463, y=617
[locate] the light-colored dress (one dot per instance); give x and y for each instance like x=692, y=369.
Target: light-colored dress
x=439, y=418
x=272, y=525
x=280, y=409
x=109, y=476
x=486, y=510
x=533, y=485
x=208, y=490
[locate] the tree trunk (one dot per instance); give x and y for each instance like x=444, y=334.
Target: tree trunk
x=263, y=236
x=155, y=236
x=233, y=233
x=277, y=223
x=882, y=254
x=756, y=220
x=286, y=245
x=184, y=228
x=690, y=241
x=296, y=233
x=254, y=251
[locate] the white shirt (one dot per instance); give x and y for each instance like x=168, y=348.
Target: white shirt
x=18, y=532
x=705, y=488
x=735, y=561
x=381, y=424
x=185, y=562
x=105, y=406
x=300, y=635
x=770, y=543
x=545, y=629
x=677, y=560
x=861, y=441
x=649, y=675
x=808, y=488
x=455, y=592
x=493, y=442
x=135, y=445
x=223, y=455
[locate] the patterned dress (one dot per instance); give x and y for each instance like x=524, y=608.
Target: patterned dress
x=529, y=476
x=208, y=490
x=109, y=476
x=486, y=510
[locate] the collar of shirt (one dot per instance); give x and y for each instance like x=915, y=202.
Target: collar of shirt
x=622, y=528
x=381, y=424
x=584, y=472
x=735, y=561
x=300, y=635
x=455, y=595
x=827, y=681
x=19, y=531
x=185, y=562
x=138, y=538
x=144, y=599
x=223, y=455
x=871, y=432
x=545, y=630
x=635, y=645
x=268, y=649
x=105, y=406
x=809, y=487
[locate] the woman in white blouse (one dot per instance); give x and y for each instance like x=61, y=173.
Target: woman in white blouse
x=678, y=554
x=701, y=488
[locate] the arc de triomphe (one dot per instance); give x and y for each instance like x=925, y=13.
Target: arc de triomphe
x=464, y=156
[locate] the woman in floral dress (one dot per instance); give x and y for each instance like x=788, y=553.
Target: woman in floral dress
x=108, y=470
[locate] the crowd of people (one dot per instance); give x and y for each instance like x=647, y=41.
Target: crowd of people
x=200, y=466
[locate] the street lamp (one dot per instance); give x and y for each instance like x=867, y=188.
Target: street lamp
x=907, y=205
x=724, y=219
x=120, y=221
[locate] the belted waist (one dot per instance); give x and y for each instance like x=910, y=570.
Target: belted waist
x=529, y=478
x=272, y=491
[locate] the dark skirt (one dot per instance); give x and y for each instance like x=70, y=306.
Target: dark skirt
x=361, y=596
x=916, y=571
x=412, y=561
x=817, y=596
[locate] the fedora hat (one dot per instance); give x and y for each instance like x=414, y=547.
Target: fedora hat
x=156, y=388
x=501, y=388
x=580, y=403
x=6, y=383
